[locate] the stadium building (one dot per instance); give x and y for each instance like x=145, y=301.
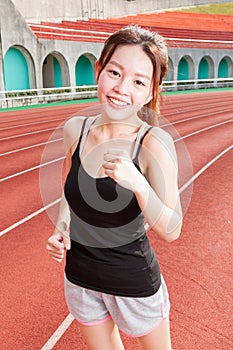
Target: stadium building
x=47, y=46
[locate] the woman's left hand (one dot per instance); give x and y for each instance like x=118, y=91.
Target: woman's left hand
x=119, y=166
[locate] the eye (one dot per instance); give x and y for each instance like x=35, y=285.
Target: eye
x=139, y=83
x=114, y=73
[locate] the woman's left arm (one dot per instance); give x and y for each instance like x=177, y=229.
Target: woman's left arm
x=158, y=194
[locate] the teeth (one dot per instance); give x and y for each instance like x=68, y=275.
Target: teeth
x=118, y=102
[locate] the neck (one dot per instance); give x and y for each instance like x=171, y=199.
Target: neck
x=113, y=129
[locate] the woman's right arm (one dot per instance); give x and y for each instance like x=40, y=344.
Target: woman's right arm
x=60, y=240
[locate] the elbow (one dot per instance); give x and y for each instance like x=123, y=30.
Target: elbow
x=173, y=235
x=168, y=235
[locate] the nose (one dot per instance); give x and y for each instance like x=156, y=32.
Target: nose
x=122, y=86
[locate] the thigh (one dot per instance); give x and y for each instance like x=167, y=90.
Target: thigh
x=104, y=336
x=85, y=305
x=139, y=316
x=158, y=339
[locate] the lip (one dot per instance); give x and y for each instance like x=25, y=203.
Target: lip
x=117, y=102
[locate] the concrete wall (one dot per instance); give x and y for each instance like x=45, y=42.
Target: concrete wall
x=16, y=33
x=48, y=10
x=194, y=57
x=1, y=69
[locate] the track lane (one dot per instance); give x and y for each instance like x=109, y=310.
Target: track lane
x=56, y=149
x=32, y=300
x=198, y=266
x=39, y=297
x=70, y=335
x=179, y=128
x=25, y=190
x=18, y=138
x=13, y=163
x=43, y=111
x=25, y=195
x=28, y=140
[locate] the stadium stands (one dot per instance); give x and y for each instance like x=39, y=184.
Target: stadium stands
x=180, y=29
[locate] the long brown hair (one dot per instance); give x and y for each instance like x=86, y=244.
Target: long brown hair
x=154, y=46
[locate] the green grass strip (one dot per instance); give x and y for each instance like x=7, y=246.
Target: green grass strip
x=50, y=104
x=219, y=8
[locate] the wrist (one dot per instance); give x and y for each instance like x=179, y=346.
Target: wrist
x=60, y=228
x=141, y=187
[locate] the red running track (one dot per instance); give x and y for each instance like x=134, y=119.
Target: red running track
x=197, y=267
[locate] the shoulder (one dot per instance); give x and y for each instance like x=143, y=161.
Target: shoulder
x=71, y=132
x=73, y=126
x=157, y=136
x=160, y=144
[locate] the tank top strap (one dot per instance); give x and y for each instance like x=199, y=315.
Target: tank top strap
x=139, y=141
x=81, y=135
x=144, y=135
x=84, y=134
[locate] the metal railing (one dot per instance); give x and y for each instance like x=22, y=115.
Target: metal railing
x=15, y=98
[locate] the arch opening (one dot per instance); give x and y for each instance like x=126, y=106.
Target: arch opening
x=84, y=70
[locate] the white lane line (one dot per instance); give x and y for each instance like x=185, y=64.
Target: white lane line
x=194, y=177
x=195, y=117
x=31, y=169
x=29, y=217
x=28, y=147
x=204, y=129
x=29, y=133
x=57, y=334
x=29, y=124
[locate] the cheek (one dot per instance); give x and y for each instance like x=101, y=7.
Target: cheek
x=103, y=82
x=142, y=97
x=102, y=89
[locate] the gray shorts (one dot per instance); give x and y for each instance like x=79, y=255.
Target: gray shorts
x=134, y=316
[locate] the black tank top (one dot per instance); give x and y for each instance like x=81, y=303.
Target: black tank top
x=110, y=251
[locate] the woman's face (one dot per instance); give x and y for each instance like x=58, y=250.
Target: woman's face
x=125, y=83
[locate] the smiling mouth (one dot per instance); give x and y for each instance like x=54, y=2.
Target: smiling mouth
x=117, y=102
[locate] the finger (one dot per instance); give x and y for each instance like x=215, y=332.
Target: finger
x=66, y=239
x=57, y=259
x=55, y=252
x=109, y=172
x=108, y=166
x=109, y=157
x=55, y=243
x=57, y=255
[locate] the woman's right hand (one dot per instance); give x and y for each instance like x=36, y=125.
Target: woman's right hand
x=57, y=244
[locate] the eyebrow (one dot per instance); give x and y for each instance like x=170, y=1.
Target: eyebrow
x=122, y=68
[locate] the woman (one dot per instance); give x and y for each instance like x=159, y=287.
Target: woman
x=122, y=174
